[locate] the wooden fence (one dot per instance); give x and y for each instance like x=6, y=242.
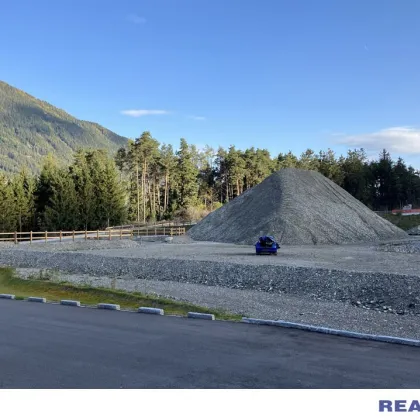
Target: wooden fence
x=159, y=231
x=86, y=234
x=153, y=225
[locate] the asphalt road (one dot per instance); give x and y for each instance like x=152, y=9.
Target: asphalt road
x=53, y=346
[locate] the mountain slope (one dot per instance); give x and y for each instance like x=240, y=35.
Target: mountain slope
x=31, y=128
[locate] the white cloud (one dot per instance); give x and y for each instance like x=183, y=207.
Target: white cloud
x=143, y=112
x=196, y=117
x=397, y=140
x=136, y=19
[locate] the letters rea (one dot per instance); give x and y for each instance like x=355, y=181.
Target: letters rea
x=399, y=406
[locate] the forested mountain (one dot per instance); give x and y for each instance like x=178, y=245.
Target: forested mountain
x=30, y=129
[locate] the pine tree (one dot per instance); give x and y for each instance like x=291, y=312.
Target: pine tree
x=111, y=197
x=7, y=206
x=187, y=176
x=23, y=191
x=168, y=165
x=61, y=211
x=43, y=191
x=84, y=186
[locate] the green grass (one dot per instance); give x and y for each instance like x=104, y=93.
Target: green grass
x=55, y=291
x=403, y=222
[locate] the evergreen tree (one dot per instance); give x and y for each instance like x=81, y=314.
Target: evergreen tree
x=23, y=190
x=7, y=206
x=43, y=191
x=84, y=186
x=111, y=197
x=309, y=161
x=168, y=163
x=288, y=160
x=355, y=169
x=330, y=167
x=187, y=176
x=61, y=211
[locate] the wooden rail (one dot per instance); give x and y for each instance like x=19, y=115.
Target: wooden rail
x=88, y=234
x=159, y=231
x=151, y=226
x=61, y=235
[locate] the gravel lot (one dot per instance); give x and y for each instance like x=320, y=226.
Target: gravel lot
x=352, y=287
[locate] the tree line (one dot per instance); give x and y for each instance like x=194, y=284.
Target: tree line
x=149, y=181
x=87, y=194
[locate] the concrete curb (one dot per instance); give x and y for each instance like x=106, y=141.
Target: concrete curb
x=70, y=302
x=330, y=331
x=154, y=311
x=255, y=321
x=37, y=299
x=110, y=306
x=198, y=315
x=6, y=296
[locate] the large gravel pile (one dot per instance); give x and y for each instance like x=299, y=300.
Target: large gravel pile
x=298, y=207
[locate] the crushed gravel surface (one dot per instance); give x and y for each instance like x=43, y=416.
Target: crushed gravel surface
x=79, y=245
x=5, y=245
x=298, y=207
x=411, y=248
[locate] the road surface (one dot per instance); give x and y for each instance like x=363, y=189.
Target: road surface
x=53, y=346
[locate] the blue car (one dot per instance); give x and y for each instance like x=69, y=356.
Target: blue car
x=266, y=245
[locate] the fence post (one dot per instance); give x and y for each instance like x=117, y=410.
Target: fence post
x=46, y=236
x=16, y=241
x=97, y=235
x=155, y=231
x=73, y=235
x=110, y=234
x=121, y=234
x=30, y=236
x=85, y=235
x=61, y=235
x=164, y=231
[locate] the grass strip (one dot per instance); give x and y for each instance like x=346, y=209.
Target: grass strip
x=90, y=296
x=403, y=222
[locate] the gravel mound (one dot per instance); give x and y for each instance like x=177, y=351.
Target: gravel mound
x=298, y=207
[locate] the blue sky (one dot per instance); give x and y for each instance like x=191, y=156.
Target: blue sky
x=275, y=74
